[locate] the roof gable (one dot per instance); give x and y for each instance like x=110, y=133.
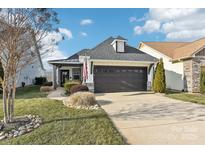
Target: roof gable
x=177, y=50
x=166, y=48
x=189, y=49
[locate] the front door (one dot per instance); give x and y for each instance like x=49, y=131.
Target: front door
x=64, y=76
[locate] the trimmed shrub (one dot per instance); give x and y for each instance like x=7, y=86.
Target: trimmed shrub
x=159, y=83
x=48, y=83
x=202, y=80
x=40, y=80
x=77, y=88
x=46, y=88
x=70, y=83
x=81, y=99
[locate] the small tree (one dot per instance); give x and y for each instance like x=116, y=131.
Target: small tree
x=21, y=34
x=159, y=81
x=202, y=80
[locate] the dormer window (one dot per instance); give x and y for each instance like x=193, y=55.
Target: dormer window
x=119, y=44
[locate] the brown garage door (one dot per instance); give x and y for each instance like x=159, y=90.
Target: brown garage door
x=119, y=79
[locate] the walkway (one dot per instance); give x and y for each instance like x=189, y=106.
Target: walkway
x=58, y=94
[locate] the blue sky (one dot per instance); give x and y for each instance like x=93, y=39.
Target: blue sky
x=105, y=23
x=85, y=28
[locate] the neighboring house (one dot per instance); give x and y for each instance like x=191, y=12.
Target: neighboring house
x=112, y=66
x=35, y=69
x=182, y=62
x=28, y=74
x=30, y=71
x=26, y=42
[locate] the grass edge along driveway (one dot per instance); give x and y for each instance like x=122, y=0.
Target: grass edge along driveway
x=188, y=97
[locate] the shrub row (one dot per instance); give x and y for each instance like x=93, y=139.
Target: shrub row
x=40, y=80
x=74, y=86
x=48, y=83
x=68, y=84
x=77, y=88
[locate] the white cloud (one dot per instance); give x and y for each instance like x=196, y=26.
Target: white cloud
x=150, y=26
x=66, y=32
x=49, y=44
x=85, y=22
x=132, y=19
x=188, y=35
x=176, y=24
x=83, y=34
x=138, y=30
x=164, y=14
x=55, y=54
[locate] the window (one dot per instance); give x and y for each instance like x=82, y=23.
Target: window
x=76, y=73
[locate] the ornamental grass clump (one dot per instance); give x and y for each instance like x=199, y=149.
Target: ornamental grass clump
x=81, y=99
x=46, y=88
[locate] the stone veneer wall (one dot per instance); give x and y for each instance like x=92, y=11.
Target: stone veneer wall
x=192, y=69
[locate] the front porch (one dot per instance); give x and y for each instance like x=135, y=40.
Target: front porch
x=64, y=71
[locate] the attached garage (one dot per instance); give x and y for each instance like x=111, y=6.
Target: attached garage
x=119, y=79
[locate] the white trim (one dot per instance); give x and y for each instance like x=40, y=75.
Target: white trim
x=117, y=40
x=197, y=51
x=65, y=63
x=102, y=60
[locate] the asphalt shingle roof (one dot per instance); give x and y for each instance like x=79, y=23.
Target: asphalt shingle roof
x=177, y=50
x=76, y=55
x=105, y=51
x=120, y=38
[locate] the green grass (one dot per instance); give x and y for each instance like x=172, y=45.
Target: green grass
x=29, y=92
x=62, y=125
x=194, y=98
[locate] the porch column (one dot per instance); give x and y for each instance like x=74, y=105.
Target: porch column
x=59, y=77
x=54, y=77
x=71, y=74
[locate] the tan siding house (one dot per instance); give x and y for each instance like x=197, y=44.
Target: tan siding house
x=182, y=61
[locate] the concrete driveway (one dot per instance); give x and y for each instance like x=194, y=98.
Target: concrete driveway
x=146, y=118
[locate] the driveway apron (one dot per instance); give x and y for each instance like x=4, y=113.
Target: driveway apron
x=147, y=118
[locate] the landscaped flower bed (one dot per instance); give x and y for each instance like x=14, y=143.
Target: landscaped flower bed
x=20, y=126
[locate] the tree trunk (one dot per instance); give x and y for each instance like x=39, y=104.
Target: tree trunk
x=5, y=104
x=13, y=98
x=9, y=102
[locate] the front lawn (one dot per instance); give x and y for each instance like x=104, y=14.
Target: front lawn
x=194, y=98
x=62, y=125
